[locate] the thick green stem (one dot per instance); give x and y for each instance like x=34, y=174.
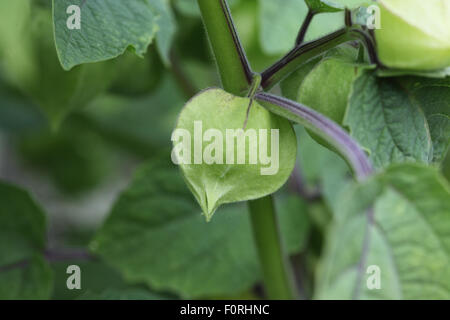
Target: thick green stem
x=278, y=278
x=231, y=61
x=236, y=78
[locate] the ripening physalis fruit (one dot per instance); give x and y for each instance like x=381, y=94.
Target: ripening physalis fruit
x=229, y=152
x=414, y=34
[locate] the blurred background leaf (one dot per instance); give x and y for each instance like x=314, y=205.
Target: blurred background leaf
x=156, y=235
x=24, y=274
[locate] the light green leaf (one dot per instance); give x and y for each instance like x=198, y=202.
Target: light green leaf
x=156, y=235
x=17, y=113
x=327, y=87
x=441, y=73
x=215, y=171
x=23, y=272
x=31, y=280
x=387, y=120
x=414, y=34
x=407, y=240
x=108, y=28
x=281, y=20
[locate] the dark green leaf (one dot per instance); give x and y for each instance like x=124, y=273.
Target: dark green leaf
x=96, y=278
x=156, y=235
x=388, y=120
x=322, y=169
x=190, y=7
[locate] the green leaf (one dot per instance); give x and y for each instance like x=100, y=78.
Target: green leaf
x=322, y=6
x=137, y=76
x=122, y=24
x=293, y=221
x=32, y=280
x=31, y=64
x=415, y=34
x=99, y=282
x=23, y=272
x=96, y=277
x=325, y=84
x=321, y=168
x=386, y=118
x=407, y=238
x=281, y=20
x=156, y=235
x=214, y=176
